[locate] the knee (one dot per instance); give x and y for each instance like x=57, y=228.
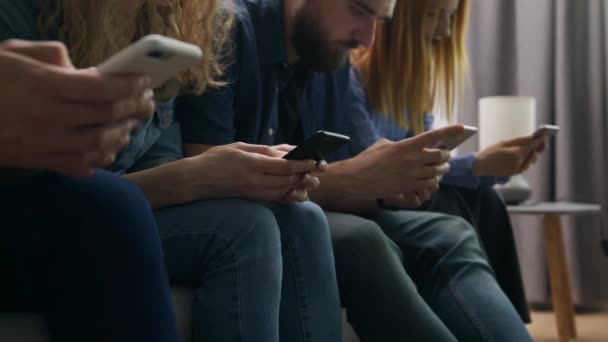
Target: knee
x=364, y=242
x=106, y=214
x=235, y=221
x=304, y=221
x=456, y=235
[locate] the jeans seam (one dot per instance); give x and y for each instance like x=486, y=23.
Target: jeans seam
x=294, y=262
x=235, y=254
x=485, y=335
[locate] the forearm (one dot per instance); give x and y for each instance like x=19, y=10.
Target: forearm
x=166, y=185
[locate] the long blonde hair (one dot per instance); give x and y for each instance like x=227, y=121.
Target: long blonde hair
x=403, y=76
x=94, y=30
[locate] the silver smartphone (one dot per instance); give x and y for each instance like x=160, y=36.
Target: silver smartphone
x=451, y=143
x=156, y=56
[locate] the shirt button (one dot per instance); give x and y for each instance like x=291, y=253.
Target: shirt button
x=270, y=131
x=166, y=120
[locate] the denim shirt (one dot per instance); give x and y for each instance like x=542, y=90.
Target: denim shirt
x=247, y=108
x=153, y=142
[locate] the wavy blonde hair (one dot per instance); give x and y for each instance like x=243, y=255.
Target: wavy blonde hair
x=94, y=30
x=403, y=75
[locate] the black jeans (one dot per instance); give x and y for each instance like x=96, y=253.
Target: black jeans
x=85, y=253
x=485, y=210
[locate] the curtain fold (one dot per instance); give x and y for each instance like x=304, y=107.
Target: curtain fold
x=556, y=51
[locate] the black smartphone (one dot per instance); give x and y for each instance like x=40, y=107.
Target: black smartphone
x=319, y=146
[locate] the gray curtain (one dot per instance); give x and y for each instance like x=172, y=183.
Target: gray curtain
x=556, y=51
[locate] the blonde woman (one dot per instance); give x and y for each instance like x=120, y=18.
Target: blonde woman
x=417, y=65
x=221, y=234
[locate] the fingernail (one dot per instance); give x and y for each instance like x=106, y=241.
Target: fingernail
x=148, y=94
x=144, y=82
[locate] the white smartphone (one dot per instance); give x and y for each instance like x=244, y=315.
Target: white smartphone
x=545, y=131
x=451, y=143
x=157, y=56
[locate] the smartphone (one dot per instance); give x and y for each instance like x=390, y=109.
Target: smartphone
x=319, y=146
x=157, y=56
x=452, y=142
x=545, y=131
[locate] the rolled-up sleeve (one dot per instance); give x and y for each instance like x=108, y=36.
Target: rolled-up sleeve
x=462, y=174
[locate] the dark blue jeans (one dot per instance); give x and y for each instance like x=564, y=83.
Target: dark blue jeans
x=262, y=272
x=86, y=253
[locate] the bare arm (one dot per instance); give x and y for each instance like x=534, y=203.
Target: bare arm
x=167, y=185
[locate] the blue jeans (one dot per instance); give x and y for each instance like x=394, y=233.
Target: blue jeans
x=417, y=276
x=262, y=272
x=86, y=254
x=444, y=258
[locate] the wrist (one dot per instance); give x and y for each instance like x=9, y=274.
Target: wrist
x=479, y=166
x=192, y=185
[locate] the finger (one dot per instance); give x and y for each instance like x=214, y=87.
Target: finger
x=431, y=138
x=284, y=148
x=309, y=183
x=433, y=156
x=423, y=184
x=54, y=53
x=529, y=161
x=260, y=149
x=423, y=195
x=542, y=147
x=279, y=166
x=433, y=171
x=100, y=114
x=89, y=86
x=91, y=139
x=296, y=196
x=413, y=200
x=321, y=167
x=519, y=141
x=268, y=181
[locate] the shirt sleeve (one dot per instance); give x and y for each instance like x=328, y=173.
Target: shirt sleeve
x=462, y=174
x=209, y=118
x=357, y=122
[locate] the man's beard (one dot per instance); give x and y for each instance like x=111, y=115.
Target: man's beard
x=312, y=46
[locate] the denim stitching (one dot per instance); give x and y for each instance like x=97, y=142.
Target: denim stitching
x=485, y=335
x=300, y=288
x=240, y=335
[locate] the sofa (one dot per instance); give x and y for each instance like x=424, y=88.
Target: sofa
x=31, y=328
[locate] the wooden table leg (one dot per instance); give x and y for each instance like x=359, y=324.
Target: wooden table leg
x=561, y=291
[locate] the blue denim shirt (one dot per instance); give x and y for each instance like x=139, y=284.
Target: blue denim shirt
x=153, y=142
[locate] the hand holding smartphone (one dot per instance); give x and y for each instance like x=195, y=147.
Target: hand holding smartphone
x=156, y=56
x=318, y=147
x=451, y=143
x=546, y=131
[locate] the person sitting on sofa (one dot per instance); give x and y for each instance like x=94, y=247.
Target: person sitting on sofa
x=416, y=65
x=230, y=221
x=402, y=275
x=83, y=251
